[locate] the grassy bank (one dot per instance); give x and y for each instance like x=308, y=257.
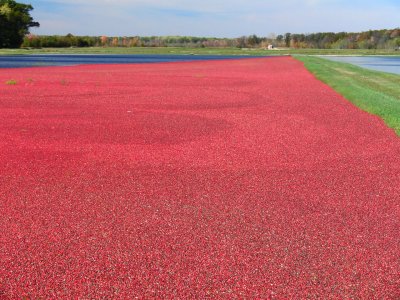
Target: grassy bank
x=198, y=51
x=375, y=92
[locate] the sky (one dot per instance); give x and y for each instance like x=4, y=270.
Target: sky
x=211, y=18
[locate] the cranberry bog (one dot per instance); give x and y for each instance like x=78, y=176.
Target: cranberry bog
x=243, y=178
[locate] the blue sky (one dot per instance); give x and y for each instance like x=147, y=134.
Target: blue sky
x=219, y=18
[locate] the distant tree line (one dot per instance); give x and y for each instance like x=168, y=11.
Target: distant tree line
x=37, y=41
x=373, y=39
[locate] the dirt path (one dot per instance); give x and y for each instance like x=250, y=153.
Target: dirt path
x=229, y=179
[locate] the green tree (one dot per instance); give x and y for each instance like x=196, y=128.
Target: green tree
x=253, y=40
x=287, y=38
x=15, y=21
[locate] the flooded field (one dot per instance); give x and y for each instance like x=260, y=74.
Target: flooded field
x=390, y=64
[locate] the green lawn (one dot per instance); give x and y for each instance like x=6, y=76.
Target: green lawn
x=204, y=51
x=375, y=92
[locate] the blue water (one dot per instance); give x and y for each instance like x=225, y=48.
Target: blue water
x=390, y=64
x=20, y=61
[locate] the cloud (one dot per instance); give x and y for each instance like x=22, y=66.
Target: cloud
x=211, y=18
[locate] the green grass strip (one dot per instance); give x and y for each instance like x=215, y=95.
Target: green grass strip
x=375, y=92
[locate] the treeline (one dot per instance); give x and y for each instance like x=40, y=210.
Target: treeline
x=373, y=39
x=37, y=41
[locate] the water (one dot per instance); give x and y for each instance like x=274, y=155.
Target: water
x=390, y=64
x=20, y=61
